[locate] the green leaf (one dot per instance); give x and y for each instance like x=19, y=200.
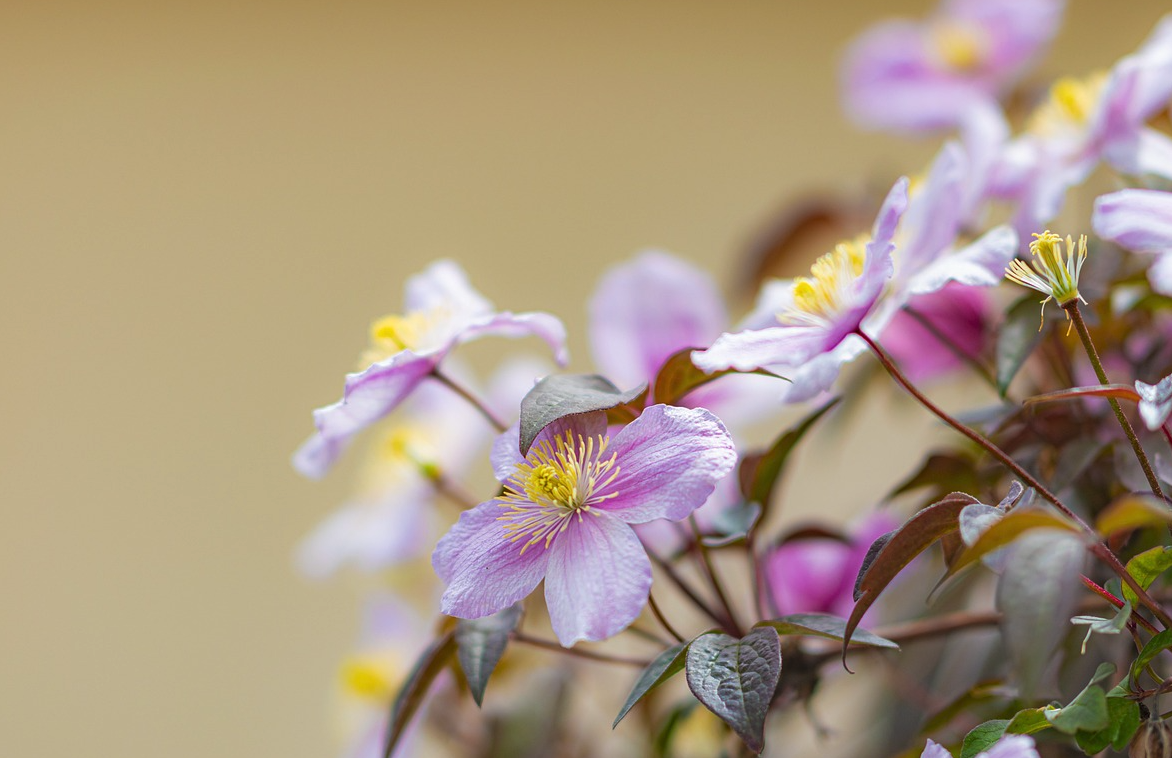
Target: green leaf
x=1018, y=337
x=1036, y=594
x=1029, y=721
x=666, y=665
x=1146, y=567
x=433, y=660
x=1086, y=713
x=1133, y=511
x=898, y=550
x=736, y=679
x=666, y=733
x=1154, y=647
x=1008, y=529
x=824, y=625
x=760, y=472
x=678, y=376
x=982, y=736
x=562, y=395
x=480, y=643
x=1097, y=625
x=1123, y=721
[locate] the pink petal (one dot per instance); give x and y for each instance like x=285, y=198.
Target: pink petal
x=485, y=572
x=1137, y=219
x=369, y=535
x=444, y=285
x=517, y=325
x=597, y=579
x=669, y=461
x=773, y=346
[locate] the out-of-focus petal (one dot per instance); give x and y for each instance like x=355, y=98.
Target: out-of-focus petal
x=960, y=314
x=645, y=310
x=517, y=325
x=1149, y=153
x=934, y=211
x=597, y=579
x=935, y=750
x=484, y=570
x=980, y=264
x=1160, y=274
x=1016, y=30
x=1137, y=219
x=669, y=461
x=818, y=374
x=444, y=286
x=368, y=535
x=1011, y=746
x=1155, y=402
x=774, y=346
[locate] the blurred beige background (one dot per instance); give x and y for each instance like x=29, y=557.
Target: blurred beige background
x=203, y=205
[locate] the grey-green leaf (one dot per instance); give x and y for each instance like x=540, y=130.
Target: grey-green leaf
x=824, y=625
x=563, y=395
x=480, y=643
x=666, y=665
x=736, y=679
x=1037, y=594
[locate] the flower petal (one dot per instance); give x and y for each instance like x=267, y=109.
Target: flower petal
x=1137, y=219
x=368, y=396
x=669, y=461
x=980, y=264
x=517, y=325
x=485, y=572
x=369, y=535
x=817, y=375
x=444, y=286
x=773, y=346
x=644, y=311
x=597, y=579
x=933, y=216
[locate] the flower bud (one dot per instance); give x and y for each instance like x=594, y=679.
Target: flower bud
x=1153, y=740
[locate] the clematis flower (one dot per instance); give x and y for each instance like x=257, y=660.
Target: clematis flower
x=920, y=76
x=1141, y=221
x=1083, y=121
x=809, y=321
x=817, y=575
x=1056, y=271
x=442, y=311
x=1155, y=402
x=1009, y=746
x=566, y=512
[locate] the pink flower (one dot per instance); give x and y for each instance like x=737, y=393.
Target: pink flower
x=1141, y=221
x=442, y=311
x=566, y=512
x=957, y=313
x=919, y=76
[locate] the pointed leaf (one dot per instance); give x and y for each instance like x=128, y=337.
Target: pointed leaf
x=666, y=665
x=898, y=550
x=1018, y=337
x=678, y=376
x=480, y=643
x=824, y=625
x=566, y=395
x=1088, y=711
x=1146, y=567
x=1117, y=391
x=1133, y=512
x=736, y=679
x=433, y=660
x=1154, y=647
x=1029, y=721
x=1036, y=594
x=760, y=472
x=982, y=736
x=1008, y=529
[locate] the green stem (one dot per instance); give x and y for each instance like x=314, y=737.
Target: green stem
x=1098, y=548
x=1084, y=334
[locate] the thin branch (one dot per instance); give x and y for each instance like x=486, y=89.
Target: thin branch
x=474, y=401
x=577, y=653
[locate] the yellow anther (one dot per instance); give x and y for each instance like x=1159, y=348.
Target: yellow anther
x=1068, y=105
x=820, y=296
x=1055, y=270
x=365, y=679
x=960, y=47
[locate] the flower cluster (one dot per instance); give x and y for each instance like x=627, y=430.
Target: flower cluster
x=648, y=505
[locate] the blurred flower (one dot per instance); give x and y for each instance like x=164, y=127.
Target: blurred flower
x=949, y=321
x=808, y=322
x=1155, y=402
x=1141, y=221
x=442, y=311
x=566, y=512
x=1009, y=746
x=817, y=575
x=1085, y=120
x=919, y=76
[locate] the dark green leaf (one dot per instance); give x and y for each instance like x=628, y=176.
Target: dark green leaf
x=824, y=625
x=982, y=737
x=678, y=376
x=480, y=643
x=760, y=472
x=1029, y=721
x=666, y=665
x=1145, y=567
x=1018, y=337
x=1037, y=594
x=434, y=659
x=903, y=545
x=1154, y=647
x=735, y=679
x=563, y=395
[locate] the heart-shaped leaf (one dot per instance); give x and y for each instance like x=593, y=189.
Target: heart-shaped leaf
x=666, y=665
x=824, y=625
x=1146, y=567
x=736, y=679
x=480, y=643
x=563, y=395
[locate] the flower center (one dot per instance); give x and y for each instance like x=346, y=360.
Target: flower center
x=369, y=679
x=1055, y=271
x=820, y=297
x=1068, y=105
x=395, y=333
x=959, y=47
x=559, y=480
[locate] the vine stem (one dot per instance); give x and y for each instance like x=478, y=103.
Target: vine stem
x=662, y=619
x=1097, y=547
x=474, y=401
x=691, y=594
x=577, y=653
x=714, y=578
x=963, y=355
x=1084, y=334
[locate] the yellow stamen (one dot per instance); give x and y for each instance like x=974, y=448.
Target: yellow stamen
x=821, y=296
x=560, y=479
x=1068, y=105
x=365, y=679
x=959, y=47
x=1055, y=271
